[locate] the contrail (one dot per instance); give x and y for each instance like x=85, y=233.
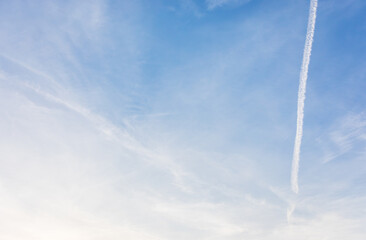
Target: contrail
x=301, y=94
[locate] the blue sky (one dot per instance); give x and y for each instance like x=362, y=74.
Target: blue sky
x=176, y=120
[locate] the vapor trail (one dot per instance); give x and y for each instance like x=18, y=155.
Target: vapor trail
x=301, y=94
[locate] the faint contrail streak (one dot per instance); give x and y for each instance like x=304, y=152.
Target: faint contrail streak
x=301, y=94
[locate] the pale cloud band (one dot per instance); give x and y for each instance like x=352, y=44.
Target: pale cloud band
x=212, y=4
x=301, y=95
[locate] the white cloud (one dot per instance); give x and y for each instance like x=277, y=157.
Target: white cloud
x=212, y=4
x=346, y=134
x=72, y=166
x=301, y=94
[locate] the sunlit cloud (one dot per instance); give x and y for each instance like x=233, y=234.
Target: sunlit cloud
x=141, y=120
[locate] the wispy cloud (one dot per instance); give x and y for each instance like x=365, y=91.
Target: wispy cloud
x=212, y=4
x=301, y=95
x=116, y=126
x=346, y=134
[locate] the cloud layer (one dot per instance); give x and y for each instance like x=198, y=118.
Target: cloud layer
x=140, y=120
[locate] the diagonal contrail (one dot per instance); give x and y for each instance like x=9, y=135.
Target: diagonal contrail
x=301, y=94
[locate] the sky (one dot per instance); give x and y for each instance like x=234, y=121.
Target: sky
x=176, y=119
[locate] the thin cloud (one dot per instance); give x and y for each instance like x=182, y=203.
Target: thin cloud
x=212, y=4
x=348, y=133
x=301, y=95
